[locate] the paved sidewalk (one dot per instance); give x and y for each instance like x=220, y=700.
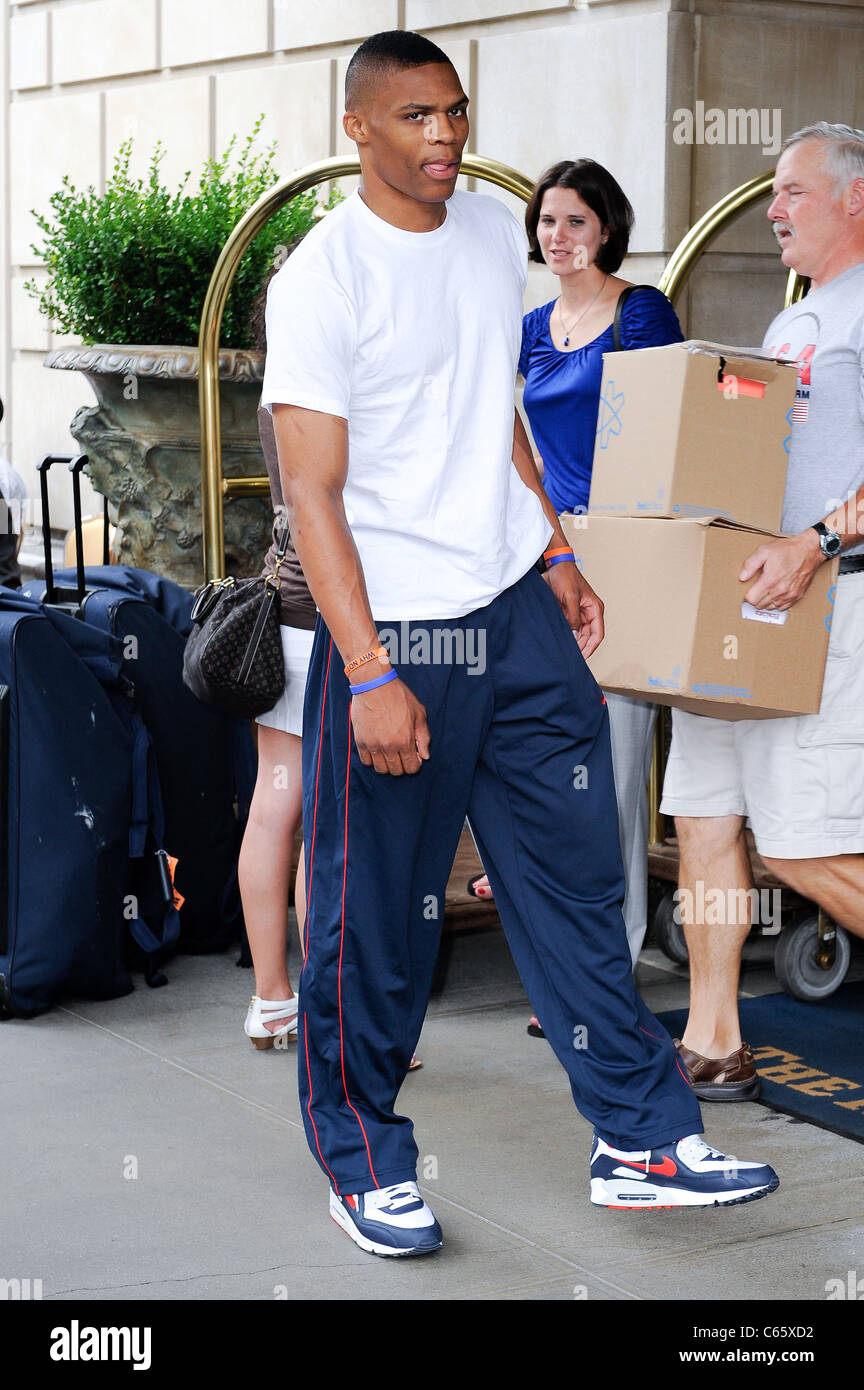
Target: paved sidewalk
x=228, y=1204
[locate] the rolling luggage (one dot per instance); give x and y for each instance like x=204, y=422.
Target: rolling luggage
x=78, y=808
x=205, y=760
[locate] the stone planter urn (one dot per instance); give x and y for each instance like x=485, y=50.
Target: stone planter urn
x=144, y=450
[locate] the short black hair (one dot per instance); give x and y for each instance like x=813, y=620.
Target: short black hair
x=384, y=52
x=603, y=195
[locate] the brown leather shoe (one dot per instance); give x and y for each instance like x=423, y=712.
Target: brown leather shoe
x=722, y=1078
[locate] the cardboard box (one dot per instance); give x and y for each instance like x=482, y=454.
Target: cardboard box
x=693, y=429
x=677, y=629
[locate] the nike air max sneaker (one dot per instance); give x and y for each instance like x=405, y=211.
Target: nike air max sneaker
x=388, y=1221
x=688, y=1173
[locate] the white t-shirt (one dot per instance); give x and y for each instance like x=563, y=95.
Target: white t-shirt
x=413, y=338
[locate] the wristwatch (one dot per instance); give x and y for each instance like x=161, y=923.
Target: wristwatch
x=829, y=542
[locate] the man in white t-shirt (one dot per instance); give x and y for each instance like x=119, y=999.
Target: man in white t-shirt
x=445, y=678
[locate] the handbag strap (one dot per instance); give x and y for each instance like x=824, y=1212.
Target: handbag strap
x=267, y=601
x=281, y=551
x=269, y=598
x=619, y=309
x=283, y=543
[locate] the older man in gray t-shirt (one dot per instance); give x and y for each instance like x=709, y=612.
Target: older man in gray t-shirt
x=798, y=782
x=824, y=334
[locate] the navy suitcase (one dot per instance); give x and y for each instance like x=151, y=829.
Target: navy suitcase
x=206, y=760
x=76, y=800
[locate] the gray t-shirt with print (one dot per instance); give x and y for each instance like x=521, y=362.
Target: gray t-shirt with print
x=824, y=334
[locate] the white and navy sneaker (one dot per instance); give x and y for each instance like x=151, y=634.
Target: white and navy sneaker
x=688, y=1173
x=388, y=1220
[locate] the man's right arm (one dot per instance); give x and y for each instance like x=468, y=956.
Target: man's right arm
x=389, y=723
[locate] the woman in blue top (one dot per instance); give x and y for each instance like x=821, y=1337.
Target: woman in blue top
x=578, y=223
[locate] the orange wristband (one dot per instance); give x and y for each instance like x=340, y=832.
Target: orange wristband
x=561, y=550
x=380, y=653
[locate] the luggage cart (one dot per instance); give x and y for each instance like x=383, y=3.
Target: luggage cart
x=812, y=955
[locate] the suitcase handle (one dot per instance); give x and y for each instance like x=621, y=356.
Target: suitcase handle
x=42, y=469
x=76, y=466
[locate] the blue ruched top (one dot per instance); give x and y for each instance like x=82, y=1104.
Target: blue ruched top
x=562, y=389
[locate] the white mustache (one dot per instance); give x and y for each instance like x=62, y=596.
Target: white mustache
x=782, y=227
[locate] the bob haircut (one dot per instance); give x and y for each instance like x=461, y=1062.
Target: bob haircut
x=603, y=195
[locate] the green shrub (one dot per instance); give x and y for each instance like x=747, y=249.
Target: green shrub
x=132, y=265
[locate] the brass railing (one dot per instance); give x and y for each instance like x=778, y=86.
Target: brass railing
x=710, y=225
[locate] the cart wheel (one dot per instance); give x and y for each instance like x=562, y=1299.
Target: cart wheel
x=797, y=967
x=668, y=933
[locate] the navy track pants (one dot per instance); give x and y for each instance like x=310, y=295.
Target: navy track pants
x=520, y=743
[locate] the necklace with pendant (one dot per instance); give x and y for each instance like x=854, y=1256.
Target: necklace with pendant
x=568, y=331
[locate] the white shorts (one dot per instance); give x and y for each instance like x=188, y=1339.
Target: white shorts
x=287, y=713
x=799, y=781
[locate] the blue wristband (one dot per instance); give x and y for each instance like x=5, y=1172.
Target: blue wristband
x=371, y=685
x=561, y=560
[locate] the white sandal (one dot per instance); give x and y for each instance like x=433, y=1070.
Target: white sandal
x=261, y=1011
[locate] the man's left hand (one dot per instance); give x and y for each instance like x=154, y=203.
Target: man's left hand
x=579, y=604
x=782, y=570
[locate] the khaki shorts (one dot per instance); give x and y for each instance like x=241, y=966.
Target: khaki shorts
x=799, y=781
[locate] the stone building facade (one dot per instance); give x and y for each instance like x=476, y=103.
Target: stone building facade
x=548, y=79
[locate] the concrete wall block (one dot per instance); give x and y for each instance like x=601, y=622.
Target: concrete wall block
x=802, y=73
x=42, y=409
x=66, y=126
x=28, y=51
x=295, y=98
x=751, y=233
x=103, y=38
x=594, y=113
x=734, y=306
x=300, y=24
x=678, y=158
x=176, y=111
x=206, y=31
x=29, y=328
x=435, y=14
